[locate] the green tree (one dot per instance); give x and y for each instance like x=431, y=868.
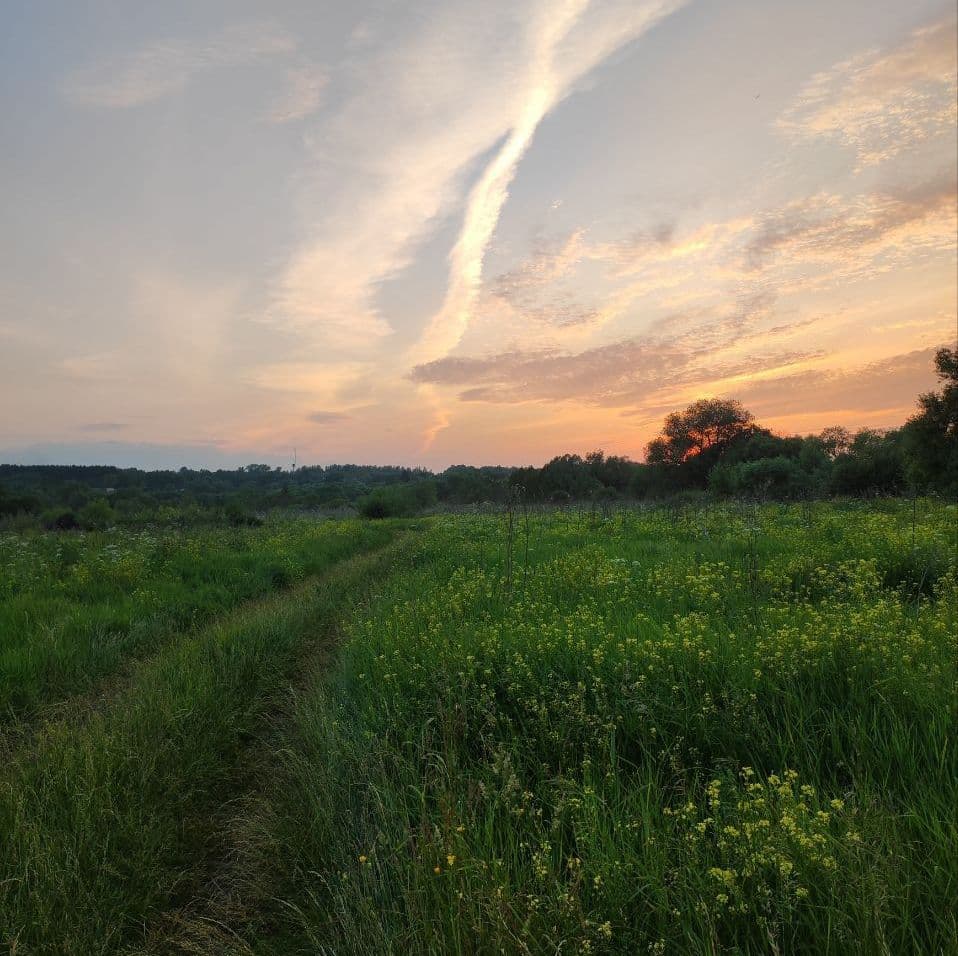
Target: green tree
x=835, y=441
x=873, y=465
x=709, y=423
x=930, y=438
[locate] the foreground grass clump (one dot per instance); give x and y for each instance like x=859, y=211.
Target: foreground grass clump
x=719, y=731
x=75, y=606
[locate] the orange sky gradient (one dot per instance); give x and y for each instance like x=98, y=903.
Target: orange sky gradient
x=450, y=233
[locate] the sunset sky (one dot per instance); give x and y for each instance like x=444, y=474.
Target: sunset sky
x=432, y=233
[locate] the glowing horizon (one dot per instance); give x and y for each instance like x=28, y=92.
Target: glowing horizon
x=450, y=233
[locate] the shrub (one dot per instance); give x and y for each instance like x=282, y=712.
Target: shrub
x=398, y=501
x=96, y=516
x=777, y=477
x=58, y=520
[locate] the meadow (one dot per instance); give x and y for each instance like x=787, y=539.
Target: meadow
x=73, y=607
x=721, y=729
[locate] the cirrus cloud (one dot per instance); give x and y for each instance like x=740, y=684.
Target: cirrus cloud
x=883, y=102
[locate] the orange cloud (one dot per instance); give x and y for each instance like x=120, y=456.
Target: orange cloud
x=889, y=384
x=851, y=234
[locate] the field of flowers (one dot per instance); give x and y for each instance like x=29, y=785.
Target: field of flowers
x=725, y=729
x=721, y=730
x=74, y=606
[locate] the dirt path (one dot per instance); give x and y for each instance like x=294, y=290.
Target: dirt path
x=232, y=882
x=76, y=709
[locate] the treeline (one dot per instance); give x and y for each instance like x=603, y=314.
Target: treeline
x=753, y=464
x=90, y=497
x=713, y=446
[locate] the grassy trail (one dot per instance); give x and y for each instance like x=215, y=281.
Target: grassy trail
x=233, y=885
x=109, y=824
x=81, y=707
x=73, y=610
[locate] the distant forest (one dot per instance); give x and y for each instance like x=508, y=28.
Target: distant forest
x=713, y=447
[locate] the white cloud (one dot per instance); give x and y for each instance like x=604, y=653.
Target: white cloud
x=394, y=159
x=566, y=42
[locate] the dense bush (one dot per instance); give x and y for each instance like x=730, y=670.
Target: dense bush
x=398, y=501
x=777, y=477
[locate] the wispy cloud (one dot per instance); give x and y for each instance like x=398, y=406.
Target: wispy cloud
x=560, y=56
x=535, y=290
x=759, y=263
x=854, y=232
x=888, y=384
x=663, y=262
x=564, y=47
x=884, y=102
x=164, y=67
x=395, y=291
x=620, y=373
x=814, y=243
x=467, y=83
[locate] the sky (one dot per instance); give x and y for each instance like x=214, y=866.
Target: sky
x=432, y=233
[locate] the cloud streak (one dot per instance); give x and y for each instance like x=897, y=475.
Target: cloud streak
x=621, y=373
x=468, y=82
x=558, y=60
x=852, y=233
x=815, y=242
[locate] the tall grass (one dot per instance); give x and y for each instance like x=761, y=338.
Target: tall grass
x=73, y=607
x=725, y=731
x=106, y=824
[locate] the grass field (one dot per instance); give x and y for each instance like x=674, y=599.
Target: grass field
x=74, y=607
x=721, y=730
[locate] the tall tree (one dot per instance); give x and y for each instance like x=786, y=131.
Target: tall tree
x=710, y=424
x=931, y=437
